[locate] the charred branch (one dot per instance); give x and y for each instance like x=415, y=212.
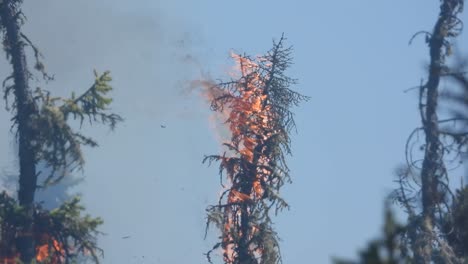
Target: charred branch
x=257, y=111
x=426, y=179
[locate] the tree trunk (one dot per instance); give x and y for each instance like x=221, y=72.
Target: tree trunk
x=432, y=164
x=25, y=111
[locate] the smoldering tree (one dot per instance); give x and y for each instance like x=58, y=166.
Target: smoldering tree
x=44, y=131
x=256, y=106
x=424, y=183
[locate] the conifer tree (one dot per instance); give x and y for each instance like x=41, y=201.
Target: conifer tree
x=44, y=133
x=256, y=106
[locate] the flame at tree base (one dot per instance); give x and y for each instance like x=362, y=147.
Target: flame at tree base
x=44, y=254
x=61, y=235
x=50, y=252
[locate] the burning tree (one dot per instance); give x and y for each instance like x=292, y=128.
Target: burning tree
x=44, y=132
x=256, y=107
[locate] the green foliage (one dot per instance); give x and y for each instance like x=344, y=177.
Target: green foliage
x=77, y=233
x=56, y=141
x=93, y=104
x=65, y=226
x=45, y=133
x=58, y=144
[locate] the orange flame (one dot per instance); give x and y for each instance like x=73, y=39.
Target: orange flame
x=48, y=251
x=42, y=253
x=249, y=117
x=53, y=253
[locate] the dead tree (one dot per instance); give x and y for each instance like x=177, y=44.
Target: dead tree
x=424, y=232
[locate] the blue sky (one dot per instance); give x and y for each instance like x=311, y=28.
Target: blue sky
x=351, y=57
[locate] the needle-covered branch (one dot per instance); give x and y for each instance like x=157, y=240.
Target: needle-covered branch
x=45, y=133
x=62, y=234
x=256, y=106
x=60, y=143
